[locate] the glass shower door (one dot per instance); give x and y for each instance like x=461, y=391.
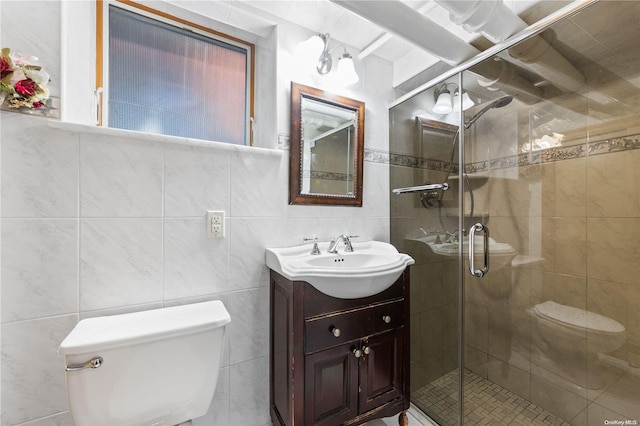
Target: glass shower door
x=424, y=224
x=547, y=166
x=551, y=331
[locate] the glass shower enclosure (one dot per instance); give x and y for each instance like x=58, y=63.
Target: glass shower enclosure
x=521, y=207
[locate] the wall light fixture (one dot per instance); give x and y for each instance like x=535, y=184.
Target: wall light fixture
x=446, y=103
x=317, y=49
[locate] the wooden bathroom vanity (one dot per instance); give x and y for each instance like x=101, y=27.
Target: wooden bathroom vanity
x=338, y=361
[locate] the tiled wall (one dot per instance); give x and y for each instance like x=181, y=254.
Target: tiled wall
x=578, y=214
x=96, y=225
x=103, y=223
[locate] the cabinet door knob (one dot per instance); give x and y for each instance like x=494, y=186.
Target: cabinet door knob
x=335, y=331
x=366, y=350
x=357, y=353
x=386, y=318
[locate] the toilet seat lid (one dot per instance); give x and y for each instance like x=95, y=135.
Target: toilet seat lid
x=578, y=317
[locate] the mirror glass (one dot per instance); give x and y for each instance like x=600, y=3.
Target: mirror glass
x=436, y=142
x=327, y=145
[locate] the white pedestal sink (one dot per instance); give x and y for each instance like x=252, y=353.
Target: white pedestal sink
x=372, y=267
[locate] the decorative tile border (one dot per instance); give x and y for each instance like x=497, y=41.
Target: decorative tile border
x=606, y=146
x=328, y=175
x=549, y=155
x=376, y=156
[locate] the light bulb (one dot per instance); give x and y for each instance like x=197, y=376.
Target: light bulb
x=309, y=50
x=444, y=103
x=346, y=73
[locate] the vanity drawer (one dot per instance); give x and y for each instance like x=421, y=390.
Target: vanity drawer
x=320, y=332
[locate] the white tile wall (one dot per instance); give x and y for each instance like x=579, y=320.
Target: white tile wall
x=40, y=268
x=194, y=182
x=98, y=225
x=120, y=262
x=194, y=265
x=120, y=177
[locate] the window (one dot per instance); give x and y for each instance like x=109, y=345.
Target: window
x=181, y=80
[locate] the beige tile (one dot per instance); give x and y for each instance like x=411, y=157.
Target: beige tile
x=521, y=287
x=415, y=332
x=633, y=326
x=475, y=360
x=546, y=186
x=613, y=300
x=432, y=280
x=556, y=400
x=450, y=361
x=623, y=397
x=500, y=335
x=433, y=367
x=450, y=331
x=571, y=188
x=614, y=185
x=613, y=250
x=595, y=414
x=517, y=231
x=431, y=331
x=564, y=289
x=476, y=289
x=508, y=195
x=509, y=377
x=476, y=326
x=500, y=284
x=564, y=245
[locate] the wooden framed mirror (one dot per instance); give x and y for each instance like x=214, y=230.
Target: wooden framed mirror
x=327, y=148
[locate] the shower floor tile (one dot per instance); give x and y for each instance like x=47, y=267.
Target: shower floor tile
x=486, y=403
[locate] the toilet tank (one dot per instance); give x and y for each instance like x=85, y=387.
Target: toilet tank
x=158, y=367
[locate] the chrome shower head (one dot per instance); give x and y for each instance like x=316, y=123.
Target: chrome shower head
x=498, y=103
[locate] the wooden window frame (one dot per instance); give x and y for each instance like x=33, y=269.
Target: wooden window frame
x=101, y=15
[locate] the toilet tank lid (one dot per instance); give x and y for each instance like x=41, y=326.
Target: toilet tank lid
x=94, y=334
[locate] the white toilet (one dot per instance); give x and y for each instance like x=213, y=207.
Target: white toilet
x=572, y=338
x=149, y=368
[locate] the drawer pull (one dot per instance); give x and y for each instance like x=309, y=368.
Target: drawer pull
x=335, y=331
x=386, y=319
x=357, y=353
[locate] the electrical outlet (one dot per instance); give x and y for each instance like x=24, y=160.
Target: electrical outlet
x=215, y=224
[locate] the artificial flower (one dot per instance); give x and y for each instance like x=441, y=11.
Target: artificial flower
x=23, y=83
x=26, y=87
x=5, y=67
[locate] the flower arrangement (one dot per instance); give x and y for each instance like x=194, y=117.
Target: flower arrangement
x=23, y=83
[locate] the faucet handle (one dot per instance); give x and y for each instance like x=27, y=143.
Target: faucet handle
x=347, y=242
x=315, y=250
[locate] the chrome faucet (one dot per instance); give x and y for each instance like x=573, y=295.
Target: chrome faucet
x=333, y=246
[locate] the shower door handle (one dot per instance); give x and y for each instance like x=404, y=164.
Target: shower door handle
x=472, y=250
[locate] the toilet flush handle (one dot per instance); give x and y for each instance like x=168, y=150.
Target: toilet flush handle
x=92, y=363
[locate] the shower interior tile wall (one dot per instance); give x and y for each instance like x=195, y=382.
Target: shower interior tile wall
x=581, y=216
x=95, y=225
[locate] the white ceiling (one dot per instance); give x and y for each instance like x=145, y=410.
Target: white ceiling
x=348, y=28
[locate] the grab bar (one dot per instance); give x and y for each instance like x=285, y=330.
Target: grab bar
x=421, y=188
x=472, y=249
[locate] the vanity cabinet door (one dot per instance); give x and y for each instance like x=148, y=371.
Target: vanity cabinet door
x=331, y=386
x=381, y=370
